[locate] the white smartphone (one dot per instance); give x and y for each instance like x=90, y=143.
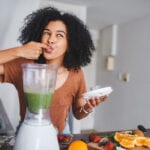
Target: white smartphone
x=98, y=92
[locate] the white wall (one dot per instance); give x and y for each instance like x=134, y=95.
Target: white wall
x=79, y=10
x=129, y=104
x=12, y=16
x=5, y=16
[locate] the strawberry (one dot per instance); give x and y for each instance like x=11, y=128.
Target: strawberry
x=60, y=138
x=94, y=138
x=109, y=146
x=66, y=138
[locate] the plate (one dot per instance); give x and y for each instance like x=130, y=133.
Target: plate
x=98, y=92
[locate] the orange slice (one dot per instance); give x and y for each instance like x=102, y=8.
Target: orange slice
x=130, y=141
x=143, y=141
x=147, y=142
x=118, y=136
x=140, y=141
x=127, y=143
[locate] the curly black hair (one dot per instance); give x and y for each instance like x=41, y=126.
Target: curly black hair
x=80, y=44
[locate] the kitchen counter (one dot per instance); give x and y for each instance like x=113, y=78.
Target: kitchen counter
x=7, y=142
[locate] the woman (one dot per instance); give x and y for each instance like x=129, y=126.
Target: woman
x=52, y=37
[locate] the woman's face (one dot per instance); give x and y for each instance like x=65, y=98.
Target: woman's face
x=55, y=37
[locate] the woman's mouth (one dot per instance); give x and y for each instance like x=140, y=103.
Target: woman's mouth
x=49, y=49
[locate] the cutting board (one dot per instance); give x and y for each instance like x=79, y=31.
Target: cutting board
x=139, y=148
x=94, y=146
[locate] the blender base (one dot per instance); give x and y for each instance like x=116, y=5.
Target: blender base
x=32, y=137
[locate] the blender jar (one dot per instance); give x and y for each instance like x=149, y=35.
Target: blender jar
x=38, y=83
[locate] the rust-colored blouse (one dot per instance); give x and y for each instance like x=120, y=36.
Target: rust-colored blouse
x=63, y=97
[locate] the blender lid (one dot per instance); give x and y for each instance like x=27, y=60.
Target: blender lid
x=5, y=124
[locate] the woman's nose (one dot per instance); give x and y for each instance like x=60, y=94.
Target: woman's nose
x=51, y=40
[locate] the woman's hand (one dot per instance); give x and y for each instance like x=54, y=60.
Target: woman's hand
x=93, y=102
x=87, y=105
x=31, y=50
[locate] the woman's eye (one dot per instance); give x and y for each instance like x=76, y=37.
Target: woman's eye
x=46, y=33
x=59, y=35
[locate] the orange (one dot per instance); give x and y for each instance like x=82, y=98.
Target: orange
x=78, y=145
x=147, y=142
x=125, y=140
x=118, y=136
x=126, y=143
x=138, y=132
x=129, y=137
x=140, y=141
x=130, y=141
x=143, y=141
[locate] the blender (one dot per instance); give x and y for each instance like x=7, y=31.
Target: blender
x=37, y=132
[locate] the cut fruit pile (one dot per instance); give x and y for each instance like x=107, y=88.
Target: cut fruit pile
x=130, y=141
x=103, y=143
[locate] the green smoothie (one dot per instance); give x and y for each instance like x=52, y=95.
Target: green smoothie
x=36, y=101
